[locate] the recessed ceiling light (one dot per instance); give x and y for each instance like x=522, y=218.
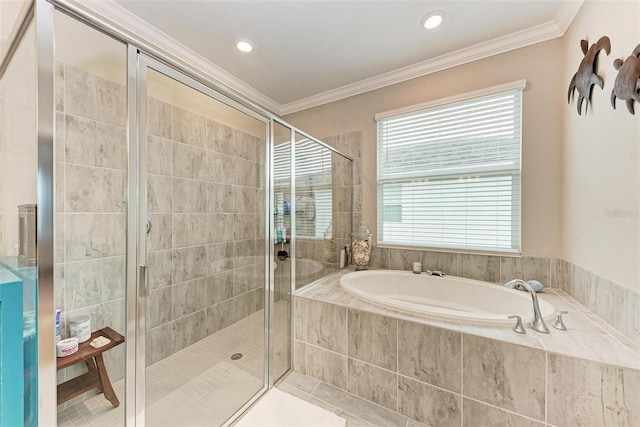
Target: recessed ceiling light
x=244, y=45
x=433, y=19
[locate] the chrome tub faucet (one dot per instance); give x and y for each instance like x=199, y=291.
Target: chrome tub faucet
x=538, y=323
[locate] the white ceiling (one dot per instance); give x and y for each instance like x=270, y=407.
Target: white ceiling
x=306, y=48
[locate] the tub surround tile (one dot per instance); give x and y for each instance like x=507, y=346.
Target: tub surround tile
x=478, y=414
x=300, y=357
x=635, y=317
x=449, y=263
x=373, y=384
x=611, y=303
x=600, y=347
x=379, y=257
x=557, y=273
x=597, y=394
x=432, y=355
x=400, y=259
x=426, y=404
x=373, y=339
x=505, y=375
x=359, y=407
x=327, y=366
x=328, y=328
x=300, y=317
x=506, y=334
x=480, y=267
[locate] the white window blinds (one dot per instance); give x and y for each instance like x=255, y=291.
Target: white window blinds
x=313, y=184
x=449, y=175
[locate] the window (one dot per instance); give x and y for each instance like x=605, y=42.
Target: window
x=314, y=203
x=449, y=174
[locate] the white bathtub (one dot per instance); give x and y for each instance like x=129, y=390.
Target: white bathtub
x=446, y=298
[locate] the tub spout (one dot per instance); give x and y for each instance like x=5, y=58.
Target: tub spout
x=538, y=323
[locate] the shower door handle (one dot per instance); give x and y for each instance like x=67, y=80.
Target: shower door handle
x=144, y=280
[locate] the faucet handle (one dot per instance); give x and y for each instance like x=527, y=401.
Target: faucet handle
x=559, y=324
x=518, y=328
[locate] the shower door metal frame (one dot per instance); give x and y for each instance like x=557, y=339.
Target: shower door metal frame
x=143, y=64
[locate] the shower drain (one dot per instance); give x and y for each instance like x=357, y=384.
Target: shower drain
x=236, y=356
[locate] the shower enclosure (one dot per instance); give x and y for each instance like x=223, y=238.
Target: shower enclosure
x=169, y=211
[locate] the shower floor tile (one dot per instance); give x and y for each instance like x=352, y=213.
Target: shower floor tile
x=187, y=388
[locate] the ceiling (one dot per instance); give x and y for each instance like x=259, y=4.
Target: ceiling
x=310, y=52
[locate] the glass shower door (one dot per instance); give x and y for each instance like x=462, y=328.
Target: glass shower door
x=202, y=314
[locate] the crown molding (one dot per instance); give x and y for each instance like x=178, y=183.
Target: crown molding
x=126, y=21
x=537, y=34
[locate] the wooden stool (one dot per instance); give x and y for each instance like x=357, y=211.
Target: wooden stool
x=97, y=376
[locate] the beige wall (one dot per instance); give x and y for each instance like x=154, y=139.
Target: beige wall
x=601, y=156
x=539, y=64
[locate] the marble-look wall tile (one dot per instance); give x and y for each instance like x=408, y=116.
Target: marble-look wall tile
x=94, y=190
x=159, y=193
x=161, y=234
x=634, y=318
x=327, y=366
x=90, y=96
x=558, y=273
x=220, y=198
x=245, y=226
x=589, y=393
x=427, y=404
x=373, y=384
x=158, y=118
x=91, y=143
x=327, y=326
x=59, y=83
x=300, y=318
x=189, y=263
x=379, y=257
x=188, y=127
x=401, y=259
x=245, y=172
x=430, y=354
x=189, y=297
x=446, y=262
x=480, y=267
x=373, y=338
x=159, y=343
x=219, y=287
x=94, y=235
x=159, y=306
x=220, y=257
x=189, y=162
x=220, y=168
x=493, y=373
x=245, y=199
x=219, y=137
x=244, y=146
x=612, y=303
x=478, y=414
x=189, y=329
x=219, y=316
x=525, y=268
x=300, y=357
x=247, y=304
x=581, y=285
x=159, y=156
x=189, y=229
x=219, y=228
x=189, y=196
x=244, y=279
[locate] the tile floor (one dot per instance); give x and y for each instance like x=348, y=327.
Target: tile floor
x=358, y=412
x=186, y=388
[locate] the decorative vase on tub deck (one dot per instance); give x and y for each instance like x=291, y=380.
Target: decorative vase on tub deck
x=361, y=247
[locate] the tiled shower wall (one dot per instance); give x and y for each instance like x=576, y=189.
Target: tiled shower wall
x=206, y=206
x=206, y=246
